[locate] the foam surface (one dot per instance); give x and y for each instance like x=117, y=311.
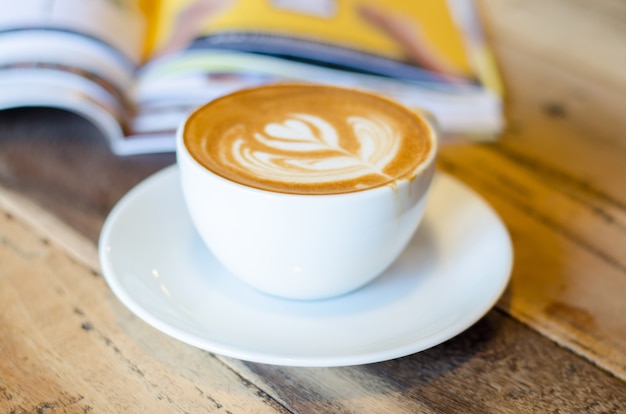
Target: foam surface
x=307, y=139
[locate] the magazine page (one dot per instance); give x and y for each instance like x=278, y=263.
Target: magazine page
x=424, y=54
x=73, y=54
x=392, y=37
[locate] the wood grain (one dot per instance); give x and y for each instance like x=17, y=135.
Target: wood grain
x=494, y=367
x=581, y=36
x=70, y=346
x=568, y=280
x=62, y=163
x=556, y=176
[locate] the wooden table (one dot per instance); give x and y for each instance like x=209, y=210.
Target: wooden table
x=556, y=341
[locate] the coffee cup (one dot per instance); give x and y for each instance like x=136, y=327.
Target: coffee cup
x=306, y=191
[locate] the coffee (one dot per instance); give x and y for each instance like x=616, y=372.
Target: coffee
x=308, y=139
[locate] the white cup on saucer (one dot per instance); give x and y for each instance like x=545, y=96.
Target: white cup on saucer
x=306, y=191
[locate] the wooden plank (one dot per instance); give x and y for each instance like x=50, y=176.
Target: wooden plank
x=68, y=345
x=570, y=270
x=585, y=36
x=556, y=176
x=567, y=128
x=49, y=227
x=62, y=163
x=497, y=366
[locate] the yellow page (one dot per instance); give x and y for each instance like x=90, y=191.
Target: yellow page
x=421, y=33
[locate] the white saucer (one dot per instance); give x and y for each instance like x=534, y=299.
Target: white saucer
x=451, y=274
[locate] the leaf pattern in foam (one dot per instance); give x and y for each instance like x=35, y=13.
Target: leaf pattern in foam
x=378, y=145
x=303, y=133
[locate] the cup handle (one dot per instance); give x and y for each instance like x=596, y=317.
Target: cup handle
x=430, y=117
x=431, y=120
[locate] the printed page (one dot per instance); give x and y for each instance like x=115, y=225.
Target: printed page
x=118, y=24
x=417, y=40
x=80, y=55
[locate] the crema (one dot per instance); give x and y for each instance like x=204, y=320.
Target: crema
x=308, y=139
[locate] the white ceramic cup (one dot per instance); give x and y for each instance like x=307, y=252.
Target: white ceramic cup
x=304, y=246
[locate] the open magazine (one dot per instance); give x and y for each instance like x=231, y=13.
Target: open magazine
x=136, y=68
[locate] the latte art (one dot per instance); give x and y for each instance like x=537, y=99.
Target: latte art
x=307, y=139
x=306, y=149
